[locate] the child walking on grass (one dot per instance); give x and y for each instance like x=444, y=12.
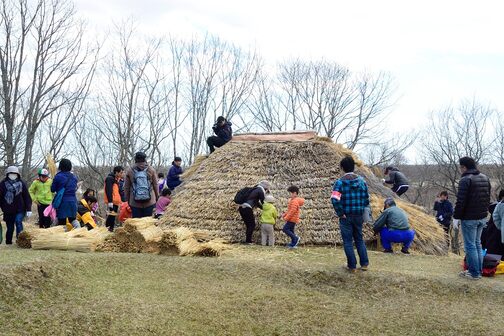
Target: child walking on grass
x=163, y=202
x=291, y=217
x=268, y=220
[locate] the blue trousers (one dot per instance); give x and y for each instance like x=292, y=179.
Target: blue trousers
x=351, y=230
x=288, y=229
x=13, y=220
x=142, y=212
x=388, y=237
x=471, y=231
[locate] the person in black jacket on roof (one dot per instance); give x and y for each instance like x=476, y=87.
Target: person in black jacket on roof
x=471, y=208
x=246, y=210
x=223, y=133
x=398, y=180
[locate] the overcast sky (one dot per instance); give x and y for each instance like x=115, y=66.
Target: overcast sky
x=438, y=51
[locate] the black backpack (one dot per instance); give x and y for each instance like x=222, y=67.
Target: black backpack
x=242, y=195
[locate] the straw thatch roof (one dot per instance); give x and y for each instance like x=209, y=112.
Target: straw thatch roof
x=205, y=199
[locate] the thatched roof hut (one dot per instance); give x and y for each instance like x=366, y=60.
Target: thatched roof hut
x=205, y=199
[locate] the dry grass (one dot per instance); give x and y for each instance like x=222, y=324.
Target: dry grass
x=249, y=291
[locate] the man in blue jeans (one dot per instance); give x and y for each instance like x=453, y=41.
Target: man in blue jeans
x=471, y=208
x=349, y=198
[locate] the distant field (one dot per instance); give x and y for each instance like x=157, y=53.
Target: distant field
x=249, y=291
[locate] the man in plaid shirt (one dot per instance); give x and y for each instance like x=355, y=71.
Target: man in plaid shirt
x=349, y=198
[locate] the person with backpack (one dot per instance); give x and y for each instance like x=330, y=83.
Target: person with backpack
x=398, y=180
x=223, y=134
x=444, y=213
x=350, y=198
x=248, y=199
x=65, y=187
x=112, y=196
x=141, y=187
x=41, y=195
x=173, y=178
x=471, y=209
x=15, y=202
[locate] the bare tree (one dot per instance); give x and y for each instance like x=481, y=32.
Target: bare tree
x=43, y=64
x=455, y=132
x=389, y=150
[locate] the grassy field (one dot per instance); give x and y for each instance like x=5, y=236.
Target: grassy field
x=249, y=291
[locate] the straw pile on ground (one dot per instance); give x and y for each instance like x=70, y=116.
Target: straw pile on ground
x=145, y=236
x=24, y=240
x=205, y=199
x=81, y=240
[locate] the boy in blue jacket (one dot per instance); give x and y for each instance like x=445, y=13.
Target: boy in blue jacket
x=444, y=214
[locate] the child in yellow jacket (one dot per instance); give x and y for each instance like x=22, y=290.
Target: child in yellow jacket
x=291, y=217
x=268, y=219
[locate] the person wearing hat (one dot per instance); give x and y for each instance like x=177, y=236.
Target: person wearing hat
x=223, y=133
x=173, y=177
x=65, y=179
x=268, y=220
x=393, y=227
x=15, y=202
x=141, y=187
x=254, y=199
x=41, y=195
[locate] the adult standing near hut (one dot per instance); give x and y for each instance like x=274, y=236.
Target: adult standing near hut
x=471, y=209
x=398, y=180
x=65, y=183
x=15, y=202
x=350, y=197
x=254, y=199
x=173, y=177
x=141, y=187
x=223, y=133
x=41, y=195
x=112, y=195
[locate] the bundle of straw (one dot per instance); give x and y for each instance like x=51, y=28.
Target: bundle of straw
x=80, y=240
x=51, y=165
x=27, y=235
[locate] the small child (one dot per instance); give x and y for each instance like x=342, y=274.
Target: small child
x=163, y=202
x=291, y=217
x=268, y=220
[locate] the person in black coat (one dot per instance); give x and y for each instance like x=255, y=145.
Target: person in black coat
x=223, y=133
x=471, y=208
x=400, y=183
x=254, y=199
x=444, y=213
x=491, y=236
x=15, y=202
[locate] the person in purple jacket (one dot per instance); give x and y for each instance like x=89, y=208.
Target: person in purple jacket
x=15, y=202
x=173, y=178
x=66, y=179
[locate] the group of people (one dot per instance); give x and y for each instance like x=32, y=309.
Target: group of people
x=136, y=192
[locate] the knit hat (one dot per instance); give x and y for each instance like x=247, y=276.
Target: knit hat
x=43, y=172
x=269, y=198
x=140, y=157
x=265, y=184
x=221, y=119
x=12, y=170
x=389, y=201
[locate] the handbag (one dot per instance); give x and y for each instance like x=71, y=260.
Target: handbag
x=50, y=212
x=59, y=196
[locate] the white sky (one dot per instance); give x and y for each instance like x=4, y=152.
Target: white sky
x=438, y=51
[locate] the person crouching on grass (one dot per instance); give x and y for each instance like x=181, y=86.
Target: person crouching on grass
x=292, y=216
x=268, y=219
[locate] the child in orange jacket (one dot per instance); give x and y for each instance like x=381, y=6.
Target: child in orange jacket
x=291, y=217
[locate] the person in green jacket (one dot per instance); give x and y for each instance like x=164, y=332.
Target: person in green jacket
x=40, y=192
x=268, y=219
x=393, y=227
